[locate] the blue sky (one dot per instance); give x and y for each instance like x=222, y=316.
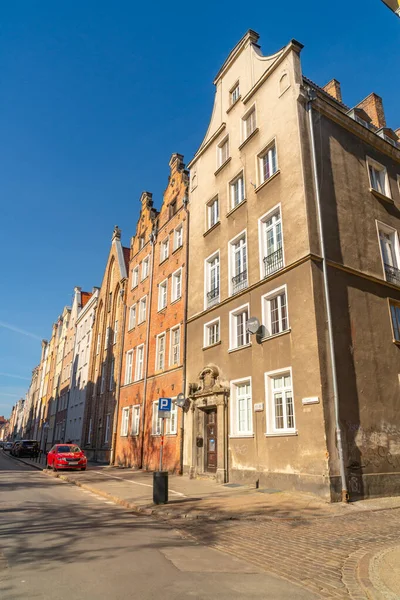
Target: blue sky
x=95, y=96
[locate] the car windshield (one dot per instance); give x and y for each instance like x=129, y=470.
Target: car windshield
x=29, y=443
x=68, y=449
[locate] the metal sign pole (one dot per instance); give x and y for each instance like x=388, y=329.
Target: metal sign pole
x=162, y=442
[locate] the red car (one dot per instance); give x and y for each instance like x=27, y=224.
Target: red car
x=66, y=456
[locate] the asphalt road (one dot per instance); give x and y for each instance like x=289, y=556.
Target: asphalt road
x=59, y=542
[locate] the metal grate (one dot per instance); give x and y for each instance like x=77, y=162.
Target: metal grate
x=273, y=262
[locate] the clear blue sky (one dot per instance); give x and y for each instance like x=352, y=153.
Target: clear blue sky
x=95, y=96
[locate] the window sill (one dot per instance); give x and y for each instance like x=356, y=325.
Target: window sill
x=281, y=434
x=238, y=436
x=228, y=160
x=144, y=279
x=397, y=342
x=160, y=310
x=381, y=196
x=125, y=435
x=217, y=344
x=210, y=229
x=239, y=348
x=141, y=322
x=163, y=260
x=176, y=249
x=131, y=328
x=165, y=435
x=275, y=335
x=228, y=214
x=267, y=181
x=175, y=300
x=231, y=106
x=249, y=137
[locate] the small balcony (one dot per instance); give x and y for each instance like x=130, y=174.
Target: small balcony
x=392, y=274
x=239, y=282
x=273, y=262
x=212, y=297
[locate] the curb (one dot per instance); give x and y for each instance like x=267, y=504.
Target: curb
x=35, y=466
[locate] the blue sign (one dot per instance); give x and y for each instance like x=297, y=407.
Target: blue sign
x=164, y=405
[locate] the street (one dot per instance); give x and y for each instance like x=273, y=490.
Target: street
x=59, y=542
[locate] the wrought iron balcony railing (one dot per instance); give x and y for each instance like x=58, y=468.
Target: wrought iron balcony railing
x=213, y=297
x=392, y=274
x=239, y=282
x=273, y=262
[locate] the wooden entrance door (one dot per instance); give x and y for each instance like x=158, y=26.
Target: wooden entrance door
x=211, y=440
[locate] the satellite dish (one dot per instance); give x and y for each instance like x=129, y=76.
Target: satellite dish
x=180, y=400
x=253, y=325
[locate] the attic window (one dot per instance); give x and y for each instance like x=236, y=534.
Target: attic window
x=172, y=208
x=141, y=242
x=234, y=93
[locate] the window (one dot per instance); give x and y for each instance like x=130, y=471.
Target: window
x=103, y=379
x=395, y=314
x=274, y=310
x=135, y=277
x=271, y=242
x=139, y=362
x=235, y=94
x=238, y=321
x=236, y=191
x=238, y=262
x=98, y=343
x=212, y=213
x=162, y=294
x=107, y=338
x=156, y=425
x=145, y=267
x=175, y=345
x=164, y=250
x=111, y=384
x=171, y=423
x=378, y=177
x=267, y=163
x=89, y=437
x=142, y=309
x=172, y=208
x=109, y=301
x=280, y=405
x=115, y=331
x=141, y=242
x=223, y=151
x=242, y=408
x=132, y=317
x=176, y=292
x=125, y=421
x=249, y=123
x=390, y=251
x=160, y=352
x=128, y=367
x=212, y=280
x=178, y=237
x=211, y=333
x=135, y=425
x=107, y=431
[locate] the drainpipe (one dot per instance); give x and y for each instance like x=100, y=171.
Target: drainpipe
x=181, y=441
x=153, y=238
x=118, y=379
x=345, y=496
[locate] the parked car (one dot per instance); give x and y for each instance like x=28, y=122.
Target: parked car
x=1, y=443
x=66, y=456
x=27, y=448
x=7, y=446
x=14, y=448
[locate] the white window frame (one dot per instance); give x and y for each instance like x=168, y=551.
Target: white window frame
x=139, y=363
x=266, y=311
x=132, y=317
x=245, y=121
x=111, y=381
x=128, y=367
x=262, y=242
x=163, y=294
x=393, y=233
x=234, y=429
x=232, y=262
x=135, y=277
x=164, y=250
x=107, y=338
x=271, y=429
x=234, y=94
x=141, y=242
x=178, y=237
x=103, y=379
x=174, y=288
x=155, y=421
x=394, y=309
x=125, y=421
x=115, y=331
x=107, y=429
x=207, y=278
x=160, y=336
x=98, y=344
x=135, y=420
x=212, y=212
x=142, y=313
x=231, y=191
x=173, y=420
x=221, y=159
x=171, y=346
x=260, y=160
x=374, y=164
x=145, y=268
x=233, y=339
x=206, y=331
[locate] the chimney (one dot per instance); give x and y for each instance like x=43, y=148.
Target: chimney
x=333, y=89
x=373, y=106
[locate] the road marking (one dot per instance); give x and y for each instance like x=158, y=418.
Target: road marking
x=137, y=483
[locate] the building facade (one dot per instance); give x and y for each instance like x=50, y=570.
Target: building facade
x=286, y=390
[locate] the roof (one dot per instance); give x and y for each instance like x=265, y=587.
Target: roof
x=85, y=297
x=127, y=255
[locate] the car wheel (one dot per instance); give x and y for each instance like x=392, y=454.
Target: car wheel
x=83, y=468
x=54, y=467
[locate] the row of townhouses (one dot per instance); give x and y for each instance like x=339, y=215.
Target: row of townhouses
x=266, y=289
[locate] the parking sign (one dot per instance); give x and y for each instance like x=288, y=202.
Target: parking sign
x=164, y=408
